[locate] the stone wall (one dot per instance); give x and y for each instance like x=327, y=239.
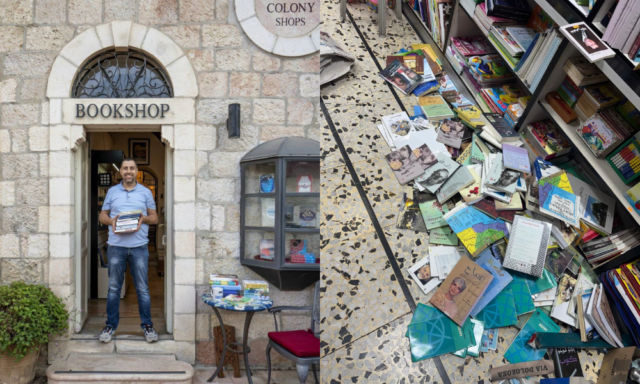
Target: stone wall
x=279, y=97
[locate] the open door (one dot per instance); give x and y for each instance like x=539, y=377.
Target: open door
x=81, y=193
x=167, y=239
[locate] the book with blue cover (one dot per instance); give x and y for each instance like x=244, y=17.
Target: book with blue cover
x=476, y=230
x=520, y=351
x=501, y=278
x=499, y=312
x=431, y=333
x=522, y=295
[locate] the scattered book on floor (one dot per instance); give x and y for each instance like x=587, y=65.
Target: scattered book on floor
x=401, y=77
x=527, y=249
x=404, y=164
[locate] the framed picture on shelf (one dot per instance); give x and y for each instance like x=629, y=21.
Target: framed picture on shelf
x=139, y=150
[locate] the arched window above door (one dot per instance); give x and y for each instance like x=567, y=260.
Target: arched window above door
x=121, y=75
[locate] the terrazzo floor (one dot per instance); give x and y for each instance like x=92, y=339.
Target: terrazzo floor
x=366, y=292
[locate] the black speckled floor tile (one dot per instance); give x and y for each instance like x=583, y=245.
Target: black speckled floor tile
x=408, y=248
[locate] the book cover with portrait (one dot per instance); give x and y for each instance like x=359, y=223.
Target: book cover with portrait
x=583, y=38
x=404, y=164
x=461, y=290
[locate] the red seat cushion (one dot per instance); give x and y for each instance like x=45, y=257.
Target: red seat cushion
x=300, y=343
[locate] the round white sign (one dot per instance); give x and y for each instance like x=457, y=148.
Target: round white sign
x=281, y=27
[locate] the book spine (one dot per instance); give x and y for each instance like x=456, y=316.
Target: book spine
x=614, y=20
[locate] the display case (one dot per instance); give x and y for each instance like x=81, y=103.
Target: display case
x=279, y=220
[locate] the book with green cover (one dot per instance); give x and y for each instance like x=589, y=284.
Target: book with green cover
x=443, y=236
x=433, y=213
x=538, y=284
x=431, y=333
x=520, y=351
x=500, y=312
x=505, y=55
x=522, y=295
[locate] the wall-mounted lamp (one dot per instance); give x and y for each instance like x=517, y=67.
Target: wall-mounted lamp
x=233, y=121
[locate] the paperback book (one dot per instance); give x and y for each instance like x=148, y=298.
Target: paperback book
x=501, y=179
x=398, y=126
x=515, y=158
x=460, y=179
x=404, y=164
x=527, y=249
x=500, y=311
x=421, y=273
x=520, y=351
x=432, y=178
x=451, y=133
x=583, y=38
x=401, y=77
x=501, y=278
x=476, y=230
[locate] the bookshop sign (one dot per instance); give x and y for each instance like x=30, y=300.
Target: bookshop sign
x=128, y=111
x=281, y=27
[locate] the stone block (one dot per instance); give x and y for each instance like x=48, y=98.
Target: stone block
x=183, y=350
x=62, y=74
x=37, y=246
x=299, y=111
x=279, y=84
x=138, y=33
x=61, y=219
x=184, y=136
x=19, y=140
x=309, y=63
x=310, y=85
x=185, y=244
x=217, y=190
x=203, y=326
x=216, y=111
x=43, y=218
x=44, y=113
x=33, y=89
x=51, y=11
x=262, y=37
x=213, y=84
x=55, y=111
x=202, y=165
x=85, y=11
x=43, y=159
x=221, y=35
x=61, y=191
x=197, y=10
x=274, y=132
x=154, y=12
x=27, y=64
x=222, y=9
x=32, y=191
x=233, y=59
x=225, y=164
x=268, y=111
x=5, y=141
x=119, y=10
x=11, y=38
x=120, y=33
x=105, y=34
x=203, y=215
x=184, y=162
x=9, y=246
x=16, y=11
x=21, y=269
x=183, y=78
x=185, y=272
x=20, y=114
x=206, y=137
x=185, y=299
x=61, y=271
x=20, y=166
x=81, y=47
x=186, y=36
x=201, y=59
x=202, y=276
x=232, y=218
x=184, y=327
x=8, y=91
x=60, y=350
x=60, y=164
x=20, y=219
x=244, y=84
x=217, y=218
x=248, y=139
x=161, y=47
x=185, y=216
x=185, y=188
x=219, y=244
x=7, y=193
x=60, y=137
x=265, y=62
x=61, y=246
x=49, y=38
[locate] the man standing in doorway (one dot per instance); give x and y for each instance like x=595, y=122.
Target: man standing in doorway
x=130, y=247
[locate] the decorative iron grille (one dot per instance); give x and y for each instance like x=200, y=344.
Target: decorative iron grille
x=121, y=75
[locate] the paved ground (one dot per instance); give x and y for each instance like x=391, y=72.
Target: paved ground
x=367, y=294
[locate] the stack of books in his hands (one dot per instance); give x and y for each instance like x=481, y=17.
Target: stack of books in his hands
x=128, y=221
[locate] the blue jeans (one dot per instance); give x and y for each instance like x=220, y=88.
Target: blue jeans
x=138, y=259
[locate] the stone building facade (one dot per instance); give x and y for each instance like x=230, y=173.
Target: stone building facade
x=212, y=63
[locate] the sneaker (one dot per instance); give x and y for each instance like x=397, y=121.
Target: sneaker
x=107, y=334
x=149, y=333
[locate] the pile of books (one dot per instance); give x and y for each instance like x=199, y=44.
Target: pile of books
x=623, y=284
x=257, y=290
x=570, y=91
x=583, y=72
x=595, y=98
x=623, y=28
x=604, y=132
x=600, y=250
x=229, y=283
x=544, y=139
x=128, y=221
x=512, y=41
x=485, y=22
x=517, y=10
x=537, y=57
x=298, y=253
x=500, y=98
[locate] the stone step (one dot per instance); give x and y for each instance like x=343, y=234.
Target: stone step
x=108, y=369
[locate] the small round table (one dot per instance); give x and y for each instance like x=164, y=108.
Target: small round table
x=249, y=310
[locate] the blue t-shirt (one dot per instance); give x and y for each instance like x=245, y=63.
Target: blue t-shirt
x=119, y=200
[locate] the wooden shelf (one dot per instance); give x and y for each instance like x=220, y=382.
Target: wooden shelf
x=601, y=166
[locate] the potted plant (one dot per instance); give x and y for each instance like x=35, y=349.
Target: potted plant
x=30, y=315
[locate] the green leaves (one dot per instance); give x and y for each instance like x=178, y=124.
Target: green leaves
x=29, y=315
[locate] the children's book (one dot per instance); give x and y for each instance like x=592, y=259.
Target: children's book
x=472, y=45
x=461, y=290
x=476, y=230
x=436, y=175
x=500, y=311
x=587, y=42
x=501, y=278
x=557, y=200
x=520, y=351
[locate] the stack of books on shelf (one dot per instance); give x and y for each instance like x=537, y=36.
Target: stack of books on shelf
x=229, y=283
x=595, y=98
x=128, y=221
x=537, y=57
x=512, y=41
x=517, y=10
x=545, y=139
x=604, y=131
x=257, y=290
x=605, y=248
x=485, y=22
x=623, y=29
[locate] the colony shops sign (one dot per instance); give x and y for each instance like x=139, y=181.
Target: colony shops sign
x=128, y=111
x=282, y=27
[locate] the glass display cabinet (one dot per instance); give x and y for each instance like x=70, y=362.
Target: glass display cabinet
x=279, y=219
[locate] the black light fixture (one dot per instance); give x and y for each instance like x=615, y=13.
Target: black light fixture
x=233, y=121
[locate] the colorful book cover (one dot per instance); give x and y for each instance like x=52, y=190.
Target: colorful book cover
x=404, y=164
x=443, y=236
x=435, y=107
x=461, y=290
x=400, y=76
x=473, y=45
x=521, y=295
x=433, y=213
x=499, y=312
x=489, y=67
x=398, y=125
x=538, y=284
x=500, y=98
x=436, y=175
x=587, y=42
x=539, y=20
x=520, y=351
x=501, y=278
x=602, y=95
x=489, y=340
x=487, y=206
x=476, y=230
x=431, y=333
x=557, y=262
x=558, y=203
x=598, y=135
x=566, y=285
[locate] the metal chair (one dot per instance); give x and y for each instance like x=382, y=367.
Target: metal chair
x=302, y=347
x=382, y=14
